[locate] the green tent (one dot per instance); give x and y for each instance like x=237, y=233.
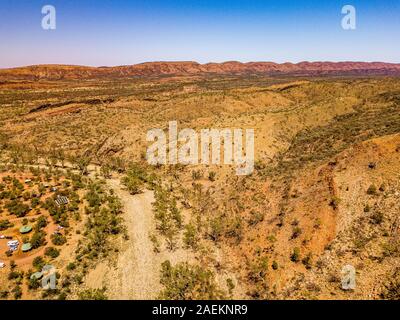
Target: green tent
x=25, y=229
x=26, y=247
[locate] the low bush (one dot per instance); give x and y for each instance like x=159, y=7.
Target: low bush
x=188, y=282
x=58, y=239
x=52, y=252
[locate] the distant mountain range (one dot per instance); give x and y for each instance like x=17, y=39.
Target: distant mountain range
x=189, y=68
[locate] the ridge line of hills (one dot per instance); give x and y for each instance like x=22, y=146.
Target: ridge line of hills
x=190, y=68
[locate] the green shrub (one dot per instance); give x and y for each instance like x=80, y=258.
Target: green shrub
x=58, y=239
x=17, y=208
x=166, y=212
x=377, y=217
x=255, y=218
x=26, y=195
x=17, y=292
x=52, y=252
x=334, y=203
x=41, y=223
x=258, y=270
x=38, y=239
x=38, y=263
x=33, y=283
x=234, y=228
x=296, y=232
x=295, y=256
x=215, y=228
x=93, y=197
x=190, y=237
x=135, y=179
x=212, y=175
x=5, y=224
x=133, y=184
x=197, y=174
x=230, y=285
x=188, y=282
x=15, y=275
x=71, y=266
x=372, y=190
x=307, y=261
x=93, y=294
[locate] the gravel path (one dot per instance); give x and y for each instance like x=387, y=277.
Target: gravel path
x=137, y=271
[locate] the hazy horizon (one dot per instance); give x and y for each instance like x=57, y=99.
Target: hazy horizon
x=193, y=61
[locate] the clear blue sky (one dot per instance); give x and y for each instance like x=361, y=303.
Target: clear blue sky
x=116, y=32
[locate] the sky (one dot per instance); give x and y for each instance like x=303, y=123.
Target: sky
x=117, y=32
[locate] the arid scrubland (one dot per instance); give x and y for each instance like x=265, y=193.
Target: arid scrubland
x=325, y=191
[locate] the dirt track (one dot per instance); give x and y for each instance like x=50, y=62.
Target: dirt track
x=137, y=266
x=136, y=273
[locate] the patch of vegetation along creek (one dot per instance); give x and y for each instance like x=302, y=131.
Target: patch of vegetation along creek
x=321, y=143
